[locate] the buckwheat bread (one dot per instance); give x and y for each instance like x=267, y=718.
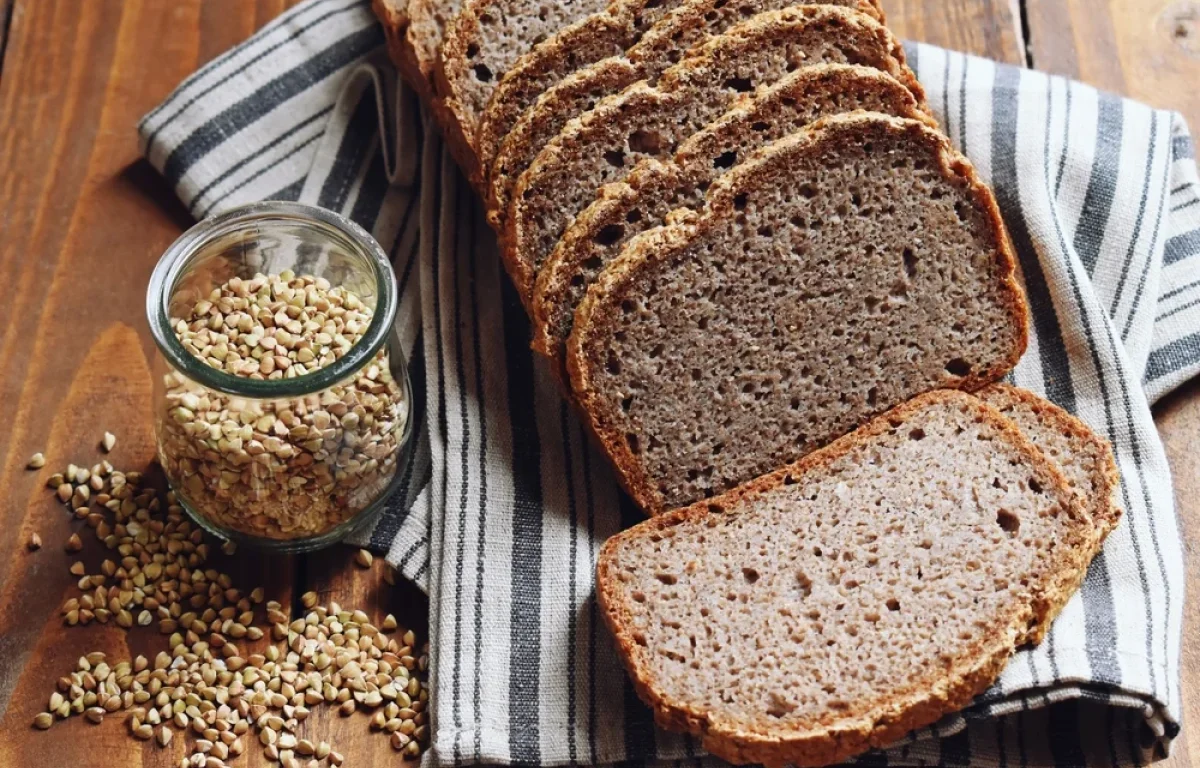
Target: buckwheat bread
x=593, y=39
x=652, y=189
x=651, y=120
x=838, y=272
x=835, y=605
x=664, y=44
x=484, y=40
x=1086, y=459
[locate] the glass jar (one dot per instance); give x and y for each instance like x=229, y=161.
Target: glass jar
x=286, y=463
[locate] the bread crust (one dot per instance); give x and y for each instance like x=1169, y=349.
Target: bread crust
x=652, y=184
x=595, y=317
x=893, y=716
x=526, y=224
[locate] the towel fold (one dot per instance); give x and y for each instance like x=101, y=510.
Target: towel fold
x=505, y=503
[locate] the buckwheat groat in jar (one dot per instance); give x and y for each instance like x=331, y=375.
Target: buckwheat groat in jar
x=283, y=402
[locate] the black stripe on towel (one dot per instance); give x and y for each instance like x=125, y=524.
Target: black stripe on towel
x=250, y=109
x=360, y=137
x=1053, y=351
x=525, y=641
x=1102, y=186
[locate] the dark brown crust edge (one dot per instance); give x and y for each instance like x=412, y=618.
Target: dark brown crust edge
x=891, y=719
x=594, y=316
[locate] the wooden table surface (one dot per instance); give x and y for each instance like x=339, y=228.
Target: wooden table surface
x=83, y=220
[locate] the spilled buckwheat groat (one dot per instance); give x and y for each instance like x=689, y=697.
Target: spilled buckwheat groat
x=208, y=679
x=286, y=468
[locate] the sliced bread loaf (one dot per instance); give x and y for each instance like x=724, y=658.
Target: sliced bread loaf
x=661, y=46
x=484, y=40
x=589, y=40
x=420, y=31
x=650, y=121
x=838, y=272
x=835, y=605
x=652, y=189
x=1086, y=459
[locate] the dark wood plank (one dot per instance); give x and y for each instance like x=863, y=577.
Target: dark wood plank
x=1146, y=49
x=990, y=28
x=84, y=223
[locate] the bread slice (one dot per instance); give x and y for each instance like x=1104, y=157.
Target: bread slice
x=484, y=40
x=589, y=40
x=660, y=47
x=1086, y=459
x=651, y=121
x=835, y=605
x=414, y=30
x=652, y=189
x=840, y=271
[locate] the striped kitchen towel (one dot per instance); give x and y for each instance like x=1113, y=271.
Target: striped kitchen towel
x=506, y=503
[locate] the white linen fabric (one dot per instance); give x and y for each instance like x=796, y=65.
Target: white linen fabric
x=505, y=503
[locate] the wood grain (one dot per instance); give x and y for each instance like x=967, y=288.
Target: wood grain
x=84, y=221
x=1146, y=49
x=990, y=28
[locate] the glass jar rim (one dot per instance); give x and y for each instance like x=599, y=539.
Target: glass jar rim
x=173, y=261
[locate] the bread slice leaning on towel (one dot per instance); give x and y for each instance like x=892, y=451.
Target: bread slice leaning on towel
x=664, y=44
x=653, y=189
x=1086, y=459
x=837, y=273
x=606, y=34
x=833, y=606
x=651, y=121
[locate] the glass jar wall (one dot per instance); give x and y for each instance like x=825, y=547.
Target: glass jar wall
x=282, y=402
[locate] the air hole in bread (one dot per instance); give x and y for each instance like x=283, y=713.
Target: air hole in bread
x=634, y=216
x=626, y=403
x=669, y=579
x=613, y=364
x=750, y=575
x=615, y=158
x=472, y=51
x=725, y=160
x=893, y=604
x=739, y=202
x=766, y=231
x=648, y=142
x=608, y=235
x=716, y=508
x=594, y=264
x=807, y=191
x=804, y=583
x=962, y=210
x=779, y=707
x=482, y=73
x=910, y=263
x=628, y=306
x=873, y=396
x=760, y=125
x=958, y=367
x=916, y=434
x=1008, y=522
x=1035, y=486
x=638, y=596
x=739, y=84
